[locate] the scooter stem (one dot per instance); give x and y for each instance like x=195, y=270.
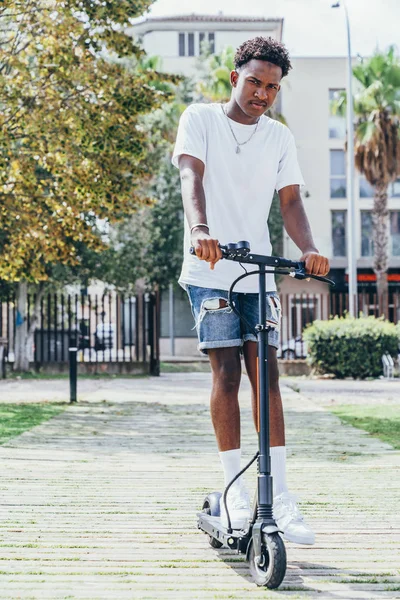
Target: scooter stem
x=265, y=496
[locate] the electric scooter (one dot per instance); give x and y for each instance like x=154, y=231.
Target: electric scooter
x=259, y=540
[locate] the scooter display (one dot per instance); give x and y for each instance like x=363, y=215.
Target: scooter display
x=259, y=540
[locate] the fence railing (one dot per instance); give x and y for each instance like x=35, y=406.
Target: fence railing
x=299, y=310
x=107, y=328
x=112, y=328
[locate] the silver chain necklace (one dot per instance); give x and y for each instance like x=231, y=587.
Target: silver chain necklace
x=238, y=144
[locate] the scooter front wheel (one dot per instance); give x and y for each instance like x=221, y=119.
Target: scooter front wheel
x=269, y=569
x=211, y=507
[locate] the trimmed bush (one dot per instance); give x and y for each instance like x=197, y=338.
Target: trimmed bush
x=349, y=347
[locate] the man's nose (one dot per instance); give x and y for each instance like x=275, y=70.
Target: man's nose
x=262, y=94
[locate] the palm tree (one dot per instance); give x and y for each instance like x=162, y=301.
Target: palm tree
x=214, y=74
x=377, y=143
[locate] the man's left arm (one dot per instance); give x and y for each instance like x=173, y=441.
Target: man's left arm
x=298, y=227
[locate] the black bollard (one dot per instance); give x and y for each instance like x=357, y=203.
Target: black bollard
x=73, y=370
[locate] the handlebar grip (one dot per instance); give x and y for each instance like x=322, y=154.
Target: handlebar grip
x=193, y=251
x=296, y=264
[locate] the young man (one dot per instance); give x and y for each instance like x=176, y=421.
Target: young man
x=231, y=158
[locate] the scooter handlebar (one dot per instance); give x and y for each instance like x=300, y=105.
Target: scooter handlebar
x=240, y=252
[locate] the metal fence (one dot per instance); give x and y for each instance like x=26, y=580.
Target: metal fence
x=299, y=310
x=114, y=329
x=107, y=328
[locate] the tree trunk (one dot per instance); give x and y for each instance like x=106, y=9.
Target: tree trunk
x=24, y=335
x=380, y=216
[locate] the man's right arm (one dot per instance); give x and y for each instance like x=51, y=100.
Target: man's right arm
x=194, y=203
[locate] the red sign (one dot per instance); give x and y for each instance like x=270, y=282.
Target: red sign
x=371, y=277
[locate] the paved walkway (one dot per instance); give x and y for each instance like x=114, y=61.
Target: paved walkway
x=100, y=502
x=331, y=392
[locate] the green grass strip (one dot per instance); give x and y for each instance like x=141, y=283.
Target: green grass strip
x=380, y=421
x=17, y=418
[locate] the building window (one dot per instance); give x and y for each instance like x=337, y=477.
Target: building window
x=395, y=232
x=206, y=42
x=338, y=174
x=181, y=44
x=367, y=246
x=395, y=189
x=191, y=44
x=366, y=189
x=337, y=124
x=339, y=232
x=211, y=42
x=202, y=39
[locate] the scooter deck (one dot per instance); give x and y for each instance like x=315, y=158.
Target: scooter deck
x=214, y=527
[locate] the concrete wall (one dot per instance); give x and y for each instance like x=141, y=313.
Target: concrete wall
x=184, y=347
x=111, y=368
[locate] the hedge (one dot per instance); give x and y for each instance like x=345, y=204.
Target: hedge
x=349, y=347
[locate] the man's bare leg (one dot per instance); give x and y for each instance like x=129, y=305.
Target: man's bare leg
x=277, y=423
x=286, y=513
x=225, y=413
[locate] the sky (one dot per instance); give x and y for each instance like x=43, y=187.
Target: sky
x=311, y=27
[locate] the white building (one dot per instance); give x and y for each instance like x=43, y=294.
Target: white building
x=177, y=40
x=320, y=138
x=305, y=102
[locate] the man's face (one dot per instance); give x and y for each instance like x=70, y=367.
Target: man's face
x=256, y=85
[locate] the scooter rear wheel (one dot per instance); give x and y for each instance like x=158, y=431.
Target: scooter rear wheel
x=272, y=568
x=211, y=507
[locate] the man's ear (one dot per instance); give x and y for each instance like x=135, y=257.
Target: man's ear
x=234, y=78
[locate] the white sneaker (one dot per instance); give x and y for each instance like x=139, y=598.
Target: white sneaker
x=238, y=507
x=290, y=520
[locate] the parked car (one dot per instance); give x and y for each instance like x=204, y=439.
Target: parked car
x=293, y=348
x=104, y=336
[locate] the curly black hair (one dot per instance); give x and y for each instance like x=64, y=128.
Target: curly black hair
x=262, y=48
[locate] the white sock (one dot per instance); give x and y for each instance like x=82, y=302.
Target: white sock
x=230, y=460
x=278, y=469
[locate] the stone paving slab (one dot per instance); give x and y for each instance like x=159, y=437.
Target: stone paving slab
x=100, y=501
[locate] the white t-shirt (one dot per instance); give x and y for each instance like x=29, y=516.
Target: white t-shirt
x=238, y=188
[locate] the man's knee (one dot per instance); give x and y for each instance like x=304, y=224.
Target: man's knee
x=226, y=368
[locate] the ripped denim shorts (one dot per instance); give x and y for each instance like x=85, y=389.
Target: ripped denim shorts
x=219, y=327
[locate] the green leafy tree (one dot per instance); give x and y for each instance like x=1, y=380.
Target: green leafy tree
x=163, y=259
x=146, y=250
x=72, y=149
x=377, y=142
